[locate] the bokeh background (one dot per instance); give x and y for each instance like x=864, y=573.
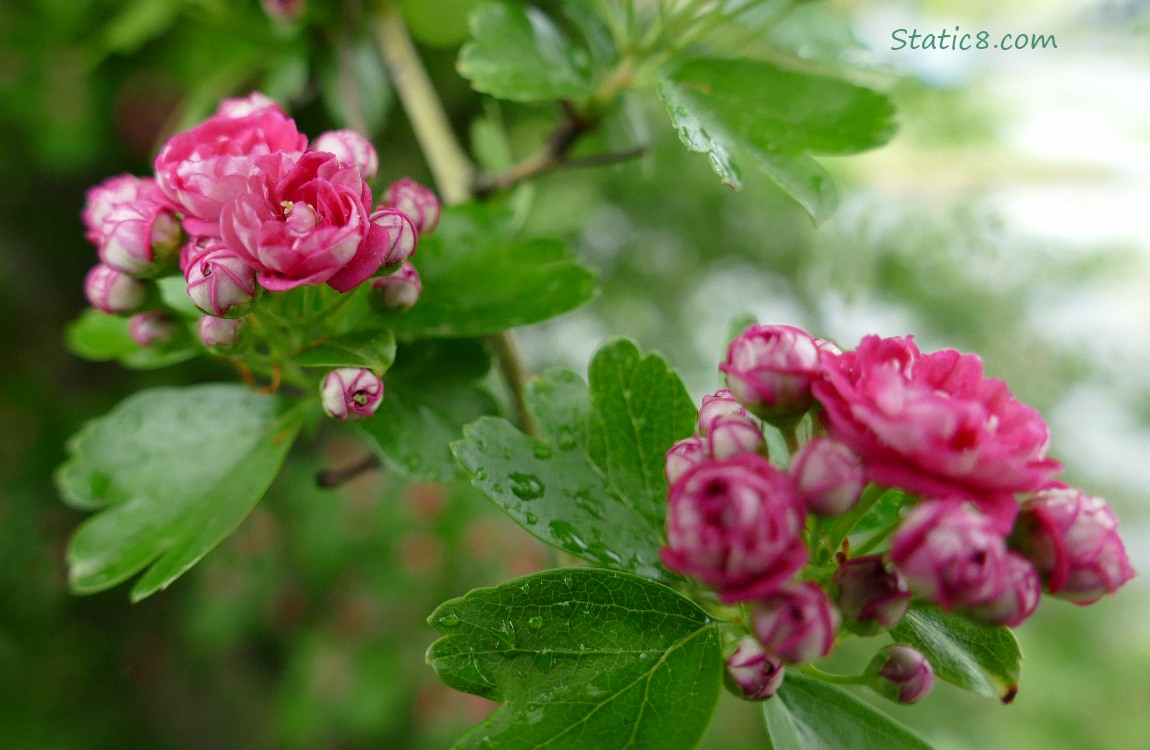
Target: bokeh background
x=1007, y=217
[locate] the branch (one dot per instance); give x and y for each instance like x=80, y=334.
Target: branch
x=449, y=164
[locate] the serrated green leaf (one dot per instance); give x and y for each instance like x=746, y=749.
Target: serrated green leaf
x=477, y=280
x=173, y=472
x=978, y=658
x=521, y=54
x=581, y=659
x=431, y=393
x=735, y=110
x=809, y=714
x=594, y=486
x=98, y=337
x=373, y=349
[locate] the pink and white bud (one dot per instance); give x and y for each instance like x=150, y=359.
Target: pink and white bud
x=112, y=291
x=718, y=404
x=770, y=369
x=1072, y=539
x=131, y=223
x=872, y=596
x=220, y=283
x=683, y=455
x=152, y=328
x=733, y=436
x=400, y=289
x=416, y=201
x=901, y=674
x=751, y=673
x=797, y=623
x=351, y=393
x=393, y=230
x=219, y=333
x=253, y=103
x=736, y=525
x=285, y=10
x=950, y=554
x=350, y=147
x=829, y=476
x=1018, y=600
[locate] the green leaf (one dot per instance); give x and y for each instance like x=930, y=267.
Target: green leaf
x=521, y=54
x=477, y=280
x=594, y=486
x=430, y=394
x=736, y=110
x=172, y=472
x=581, y=659
x=809, y=714
x=374, y=350
x=978, y=658
x=98, y=337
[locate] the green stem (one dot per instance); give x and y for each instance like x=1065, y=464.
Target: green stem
x=449, y=163
x=836, y=679
x=877, y=538
x=842, y=527
x=506, y=351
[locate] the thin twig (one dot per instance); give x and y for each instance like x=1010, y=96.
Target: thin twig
x=506, y=352
x=330, y=478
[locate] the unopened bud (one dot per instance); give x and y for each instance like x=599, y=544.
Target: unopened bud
x=769, y=370
x=219, y=333
x=400, y=289
x=797, y=623
x=752, y=673
x=829, y=476
x=683, y=455
x=872, y=597
x=113, y=291
x=718, y=404
x=733, y=436
x=1018, y=600
x=152, y=328
x=901, y=674
x=351, y=393
x=351, y=147
x=416, y=201
x=395, y=230
x=221, y=283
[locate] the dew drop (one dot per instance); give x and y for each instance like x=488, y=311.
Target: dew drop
x=449, y=621
x=526, y=486
x=565, y=439
x=481, y=474
x=530, y=518
x=535, y=622
x=541, y=451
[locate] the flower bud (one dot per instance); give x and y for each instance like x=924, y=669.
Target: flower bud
x=733, y=436
x=1018, y=600
x=797, y=623
x=736, y=525
x=718, y=404
x=901, y=674
x=769, y=370
x=129, y=220
x=683, y=455
x=221, y=283
x=351, y=393
x=113, y=291
x=415, y=200
x=1072, y=539
x=219, y=333
x=351, y=147
x=751, y=673
x=285, y=10
x=253, y=104
x=829, y=476
x=872, y=597
x=151, y=328
x=396, y=232
x=400, y=289
x=951, y=554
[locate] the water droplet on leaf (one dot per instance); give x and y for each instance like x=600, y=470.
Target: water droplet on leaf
x=541, y=451
x=526, y=486
x=535, y=622
x=449, y=621
x=530, y=518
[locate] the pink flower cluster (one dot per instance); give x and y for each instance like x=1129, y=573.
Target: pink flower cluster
x=242, y=205
x=886, y=416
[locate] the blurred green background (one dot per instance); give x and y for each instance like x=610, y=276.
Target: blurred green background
x=1007, y=217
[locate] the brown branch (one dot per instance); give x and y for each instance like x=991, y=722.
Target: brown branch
x=330, y=478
